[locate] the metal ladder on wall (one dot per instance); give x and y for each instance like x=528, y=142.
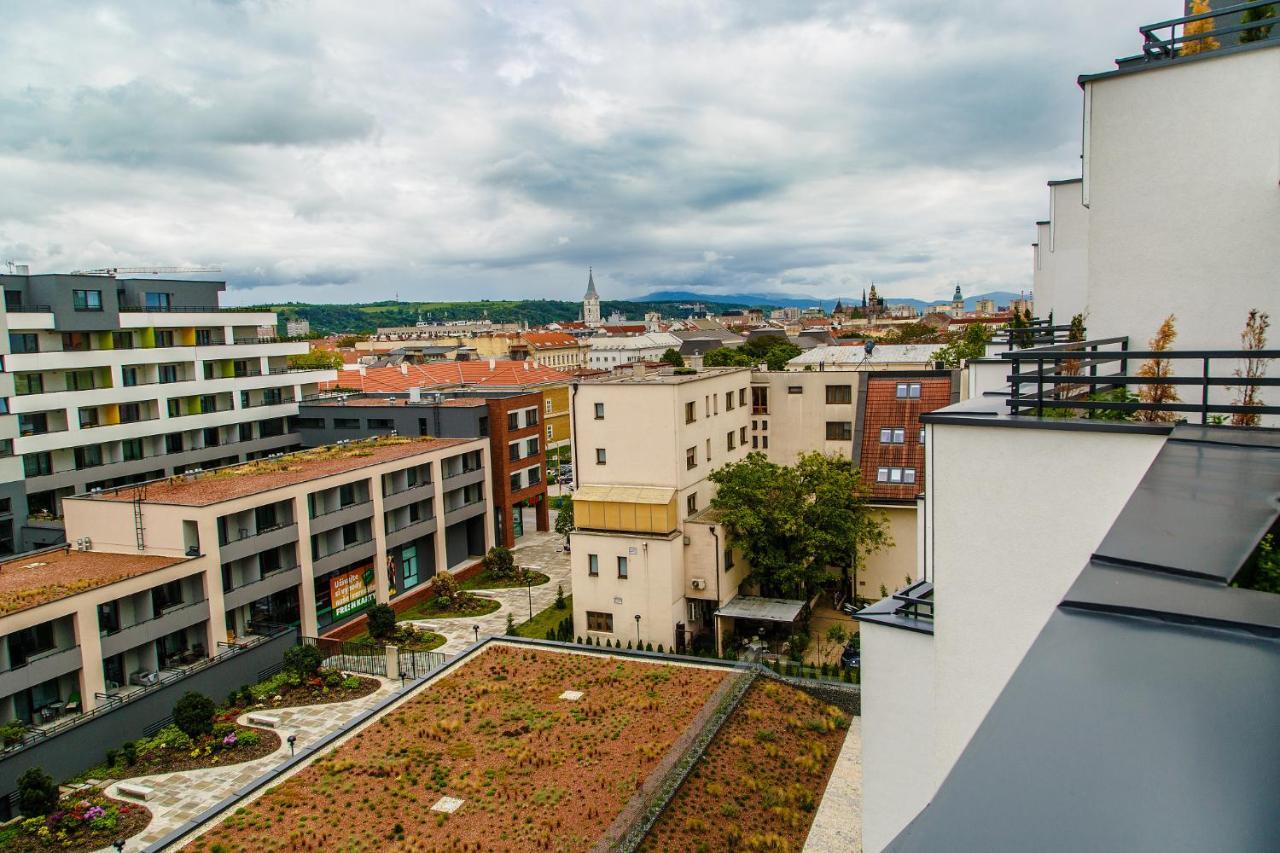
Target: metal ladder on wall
x=138, y=497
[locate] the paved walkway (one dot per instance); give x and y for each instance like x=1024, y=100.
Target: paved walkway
x=838, y=823
x=181, y=796
x=541, y=551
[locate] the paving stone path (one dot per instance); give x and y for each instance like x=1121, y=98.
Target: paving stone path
x=542, y=551
x=178, y=797
x=838, y=823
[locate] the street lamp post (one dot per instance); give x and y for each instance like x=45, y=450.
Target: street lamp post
x=637, y=630
x=528, y=588
x=293, y=739
x=476, y=628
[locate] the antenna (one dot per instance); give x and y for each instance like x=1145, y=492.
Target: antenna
x=113, y=271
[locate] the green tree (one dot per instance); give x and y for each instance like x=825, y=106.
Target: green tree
x=913, y=333
x=37, y=794
x=673, y=358
x=381, y=621
x=317, y=359
x=193, y=714
x=970, y=344
x=728, y=357
x=303, y=660
x=1262, y=13
x=500, y=563
x=564, y=519
x=774, y=350
x=794, y=522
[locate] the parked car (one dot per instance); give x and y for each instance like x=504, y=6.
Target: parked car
x=851, y=657
x=566, y=472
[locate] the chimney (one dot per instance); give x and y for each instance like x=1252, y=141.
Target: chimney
x=637, y=370
x=404, y=368
x=493, y=364
x=363, y=372
x=526, y=365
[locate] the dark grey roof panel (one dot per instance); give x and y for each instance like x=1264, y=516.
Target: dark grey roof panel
x=1119, y=733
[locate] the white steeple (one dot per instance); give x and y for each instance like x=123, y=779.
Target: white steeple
x=591, y=302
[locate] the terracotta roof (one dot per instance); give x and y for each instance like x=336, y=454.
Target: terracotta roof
x=625, y=329
x=383, y=402
x=504, y=374
x=263, y=475
x=33, y=579
x=550, y=340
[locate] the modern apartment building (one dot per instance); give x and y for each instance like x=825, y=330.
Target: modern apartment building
x=1083, y=663
x=510, y=420
x=117, y=381
x=164, y=574
x=647, y=564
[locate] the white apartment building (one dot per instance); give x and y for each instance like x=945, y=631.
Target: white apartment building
x=644, y=547
x=1077, y=650
x=607, y=353
x=121, y=380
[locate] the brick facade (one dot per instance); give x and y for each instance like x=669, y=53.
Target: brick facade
x=500, y=436
x=885, y=409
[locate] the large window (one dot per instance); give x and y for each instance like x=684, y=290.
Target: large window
x=599, y=621
x=839, y=431
x=158, y=301
x=86, y=300
x=37, y=464
x=122, y=340
x=28, y=383
x=896, y=476
x=89, y=456
x=839, y=394
x=24, y=343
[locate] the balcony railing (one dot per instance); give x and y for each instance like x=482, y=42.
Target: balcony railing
x=244, y=532
x=1040, y=333
x=1225, y=21
x=1093, y=379
x=174, y=309
x=29, y=309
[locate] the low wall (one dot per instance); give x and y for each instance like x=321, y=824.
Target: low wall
x=78, y=748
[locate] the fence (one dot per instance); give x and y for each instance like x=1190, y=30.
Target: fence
x=415, y=665
x=366, y=658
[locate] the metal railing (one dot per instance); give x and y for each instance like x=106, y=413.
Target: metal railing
x=1039, y=333
x=261, y=531
x=29, y=309
x=366, y=658
x=1074, y=377
x=108, y=702
x=171, y=309
x=1156, y=46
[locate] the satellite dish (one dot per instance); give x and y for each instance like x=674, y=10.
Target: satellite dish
x=868, y=345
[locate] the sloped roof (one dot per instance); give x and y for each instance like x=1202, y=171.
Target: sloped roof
x=550, y=340
x=503, y=374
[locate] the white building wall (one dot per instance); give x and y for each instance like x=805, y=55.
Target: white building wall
x=1061, y=275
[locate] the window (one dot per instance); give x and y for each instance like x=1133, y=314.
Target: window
x=759, y=400
x=728, y=401
x=622, y=568
x=547, y=406
x=896, y=476
x=764, y=442
x=742, y=396
x=166, y=595
x=482, y=425
x=548, y=432
x=600, y=622
x=795, y=389
x=531, y=446
x=122, y=340
x=691, y=458
x=531, y=417
x=173, y=407
x=37, y=464
x=892, y=435
x=513, y=420
x=75, y=342
x=86, y=300
x=742, y=435
x=839, y=431
x=80, y=380
x=6, y=447
x=728, y=559
x=89, y=456
x=728, y=439
x=908, y=391
x=204, y=337
x=513, y=451
x=245, y=432
x=690, y=413
x=24, y=343
x=600, y=456
x=346, y=494
x=381, y=423
x=691, y=503
x=922, y=435
x=599, y=411
x=88, y=418
x=535, y=476
x=346, y=423
x=208, y=403
x=593, y=565
x=755, y=442
x=128, y=376
x=36, y=423
x=708, y=450
x=350, y=534
x=131, y=448
x=839, y=394
x=28, y=383
x=515, y=482
x=173, y=442
x=167, y=373
x=164, y=338
x=130, y=413
x=158, y=301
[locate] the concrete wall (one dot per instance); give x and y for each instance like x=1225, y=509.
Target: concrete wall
x=897, y=730
x=891, y=566
x=1061, y=275
x=653, y=588
x=797, y=423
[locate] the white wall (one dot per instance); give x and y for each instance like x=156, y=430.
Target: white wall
x=1062, y=263
x=1007, y=540
x=897, y=730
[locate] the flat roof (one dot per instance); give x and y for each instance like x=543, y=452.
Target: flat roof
x=762, y=609
x=383, y=402
x=625, y=494
x=661, y=377
x=264, y=475
x=40, y=577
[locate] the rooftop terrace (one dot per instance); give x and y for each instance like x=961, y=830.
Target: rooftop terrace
x=264, y=475
x=40, y=577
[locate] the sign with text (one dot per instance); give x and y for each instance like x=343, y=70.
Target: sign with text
x=351, y=591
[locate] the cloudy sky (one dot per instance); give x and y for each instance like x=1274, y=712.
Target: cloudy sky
x=349, y=151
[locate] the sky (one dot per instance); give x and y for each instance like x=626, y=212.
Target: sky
x=349, y=152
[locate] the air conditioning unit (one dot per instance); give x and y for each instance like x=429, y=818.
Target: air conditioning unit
x=688, y=541
x=698, y=583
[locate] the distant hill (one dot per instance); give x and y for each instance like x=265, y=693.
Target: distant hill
x=778, y=300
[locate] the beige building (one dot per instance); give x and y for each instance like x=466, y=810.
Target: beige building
x=645, y=443
x=162, y=573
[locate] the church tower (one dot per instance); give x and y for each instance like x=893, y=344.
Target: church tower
x=957, y=303
x=591, y=302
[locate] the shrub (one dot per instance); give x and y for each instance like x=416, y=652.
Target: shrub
x=248, y=738
x=648, y=647
x=628, y=645
x=511, y=623
x=660, y=648
x=11, y=732
x=303, y=660
x=37, y=795
x=113, y=755
x=578, y=641
x=382, y=621
x=130, y=752
x=332, y=678
x=351, y=682
x=499, y=563
x=560, y=602
x=193, y=714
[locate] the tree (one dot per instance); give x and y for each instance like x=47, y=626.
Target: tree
x=773, y=350
x=511, y=625
x=836, y=636
x=793, y=522
x=1020, y=329
x=972, y=343
x=451, y=594
x=193, y=714
x=382, y=621
x=672, y=357
x=1194, y=28
x=561, y=604
x=316, y=359
x=1254, y=337
x=1159, y=368
x=37, y=794
x=1262, y=13
x=728, y=357
x=303, y=660
x=564, y=519
x=500, y=563
x=913, y=333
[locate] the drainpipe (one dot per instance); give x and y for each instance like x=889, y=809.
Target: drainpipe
x=715, y=620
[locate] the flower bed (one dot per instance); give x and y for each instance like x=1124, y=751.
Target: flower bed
x=170, y=750
x=534, y=771
x=761, y=779
x=486, y=580
x=287, y=690
x=80, y=823
x=437, y=607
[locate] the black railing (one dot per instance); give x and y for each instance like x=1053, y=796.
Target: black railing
x=1038, y=334
x=1157, y=46
x=366, y=658
x=1089, y=377
x=166, y=309
x=29, y=309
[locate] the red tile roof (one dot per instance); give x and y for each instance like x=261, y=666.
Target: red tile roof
x=503, y=374
x=550, y=340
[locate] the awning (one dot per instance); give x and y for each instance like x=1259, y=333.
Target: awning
x=762, y=609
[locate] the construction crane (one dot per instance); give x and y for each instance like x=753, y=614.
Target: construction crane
x=113, y=271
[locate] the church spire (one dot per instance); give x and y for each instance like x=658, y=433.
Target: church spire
x=591, y=285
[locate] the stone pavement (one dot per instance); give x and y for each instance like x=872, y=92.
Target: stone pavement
x=838, y=823
x=181, y=796
x=541, y=551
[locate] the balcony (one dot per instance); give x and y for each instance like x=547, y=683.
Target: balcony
x=465, y=477
x=268, y=584
x=40, y=668
x=463, y=511
x=410, y=531
x=174, y=619
x=344, y=556
x=257, y=542
x=404, y=497
x=335, y=518
x=1226, y=25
